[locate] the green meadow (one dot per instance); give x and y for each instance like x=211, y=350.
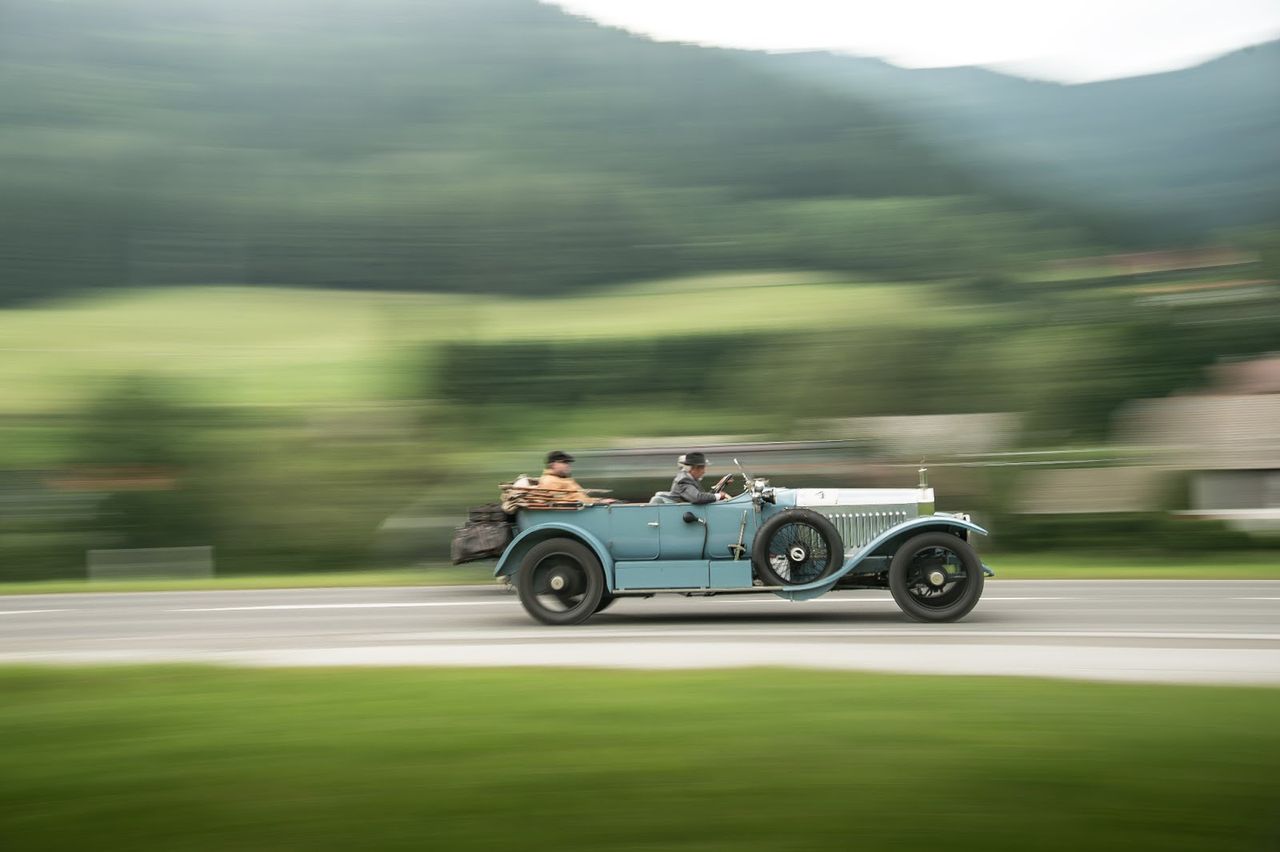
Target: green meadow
x=262, y=346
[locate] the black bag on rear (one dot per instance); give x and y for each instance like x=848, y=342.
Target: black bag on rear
x=485, y=535
x=489, y=513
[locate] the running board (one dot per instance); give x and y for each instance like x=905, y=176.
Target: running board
x=700, y=592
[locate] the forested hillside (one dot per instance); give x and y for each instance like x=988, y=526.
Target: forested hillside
x=493, y=145
x=1189, y=150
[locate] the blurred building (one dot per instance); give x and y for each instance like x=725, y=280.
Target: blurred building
x=930, y=435
x=1092, y=490
x=1228, y=440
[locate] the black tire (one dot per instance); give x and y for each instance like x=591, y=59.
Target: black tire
x=795, y=547
x=920, y=598
x=567, y=563
x=606, y=601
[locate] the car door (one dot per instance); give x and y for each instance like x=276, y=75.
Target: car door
x=708, y=536
x=695, y=553
x=633, y=533
x=680, y=539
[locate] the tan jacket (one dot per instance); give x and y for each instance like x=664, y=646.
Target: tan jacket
x=572, y=490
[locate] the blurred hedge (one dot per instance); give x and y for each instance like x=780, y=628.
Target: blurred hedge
x=1154, y=532
x=577, y=371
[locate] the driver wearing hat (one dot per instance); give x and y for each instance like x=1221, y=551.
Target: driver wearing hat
x=686, y=486
x=558, y=477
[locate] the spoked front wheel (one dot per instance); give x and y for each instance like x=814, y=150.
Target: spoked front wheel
x=936, y=576
x=795, y=547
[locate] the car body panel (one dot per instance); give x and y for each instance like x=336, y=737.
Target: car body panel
x=633, y=534
x=664, y=574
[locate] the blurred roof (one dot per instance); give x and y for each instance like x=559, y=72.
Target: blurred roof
x=1258, y=376
x=1099, y=489
x=931, y=435
x=1234, y=432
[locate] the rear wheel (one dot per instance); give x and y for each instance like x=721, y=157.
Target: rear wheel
x=936, y=576
x=560, y=581
x=795, y=547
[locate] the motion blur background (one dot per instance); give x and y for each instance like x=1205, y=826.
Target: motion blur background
x=299, y=281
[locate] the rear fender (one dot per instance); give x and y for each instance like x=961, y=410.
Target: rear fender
x=509, y=562
x=887, y=542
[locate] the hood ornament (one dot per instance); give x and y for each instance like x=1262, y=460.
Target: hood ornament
x=924, y=475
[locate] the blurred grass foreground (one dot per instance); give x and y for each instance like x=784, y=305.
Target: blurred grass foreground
x=209, y=759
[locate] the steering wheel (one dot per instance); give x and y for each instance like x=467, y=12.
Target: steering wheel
x=724, y=481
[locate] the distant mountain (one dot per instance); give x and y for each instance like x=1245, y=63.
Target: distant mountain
x=487, y=145
x=1199, y=147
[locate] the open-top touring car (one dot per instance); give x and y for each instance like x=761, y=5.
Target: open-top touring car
x=570, y=561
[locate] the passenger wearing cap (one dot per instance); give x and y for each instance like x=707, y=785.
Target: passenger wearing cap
x=686, y=487
x=558, y=477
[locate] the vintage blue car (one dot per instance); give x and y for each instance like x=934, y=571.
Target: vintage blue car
x=568, y=563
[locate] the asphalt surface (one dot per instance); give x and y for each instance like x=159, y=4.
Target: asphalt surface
x=1143, y=630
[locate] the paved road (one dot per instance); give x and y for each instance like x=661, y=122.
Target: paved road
x=1180, y=631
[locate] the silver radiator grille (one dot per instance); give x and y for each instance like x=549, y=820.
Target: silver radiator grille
x=858, y=528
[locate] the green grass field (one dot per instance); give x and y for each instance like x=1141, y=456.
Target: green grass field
x=217, y=759
x=436, y=575
x=276, y=347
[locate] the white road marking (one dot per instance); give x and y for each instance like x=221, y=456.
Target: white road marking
x=386, y=605
x=885, y=598
x=770, y=633
x=750, y=635
x=1170, y=665
x=816, y=600
x=510, y=601
x=984, y=598
x=29, y=611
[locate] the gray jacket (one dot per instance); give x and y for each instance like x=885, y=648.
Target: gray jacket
x=686, y=489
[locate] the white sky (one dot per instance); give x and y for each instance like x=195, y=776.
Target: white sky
x=1068, y=40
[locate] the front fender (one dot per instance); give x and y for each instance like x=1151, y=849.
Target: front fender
x=913, y=526
x=509, y=562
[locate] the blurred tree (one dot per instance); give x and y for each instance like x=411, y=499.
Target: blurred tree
x=140, y=445
x=494, y=145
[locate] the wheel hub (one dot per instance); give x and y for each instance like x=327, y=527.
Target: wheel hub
x=937, y=578
x=558, y=582
x=797, y=553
